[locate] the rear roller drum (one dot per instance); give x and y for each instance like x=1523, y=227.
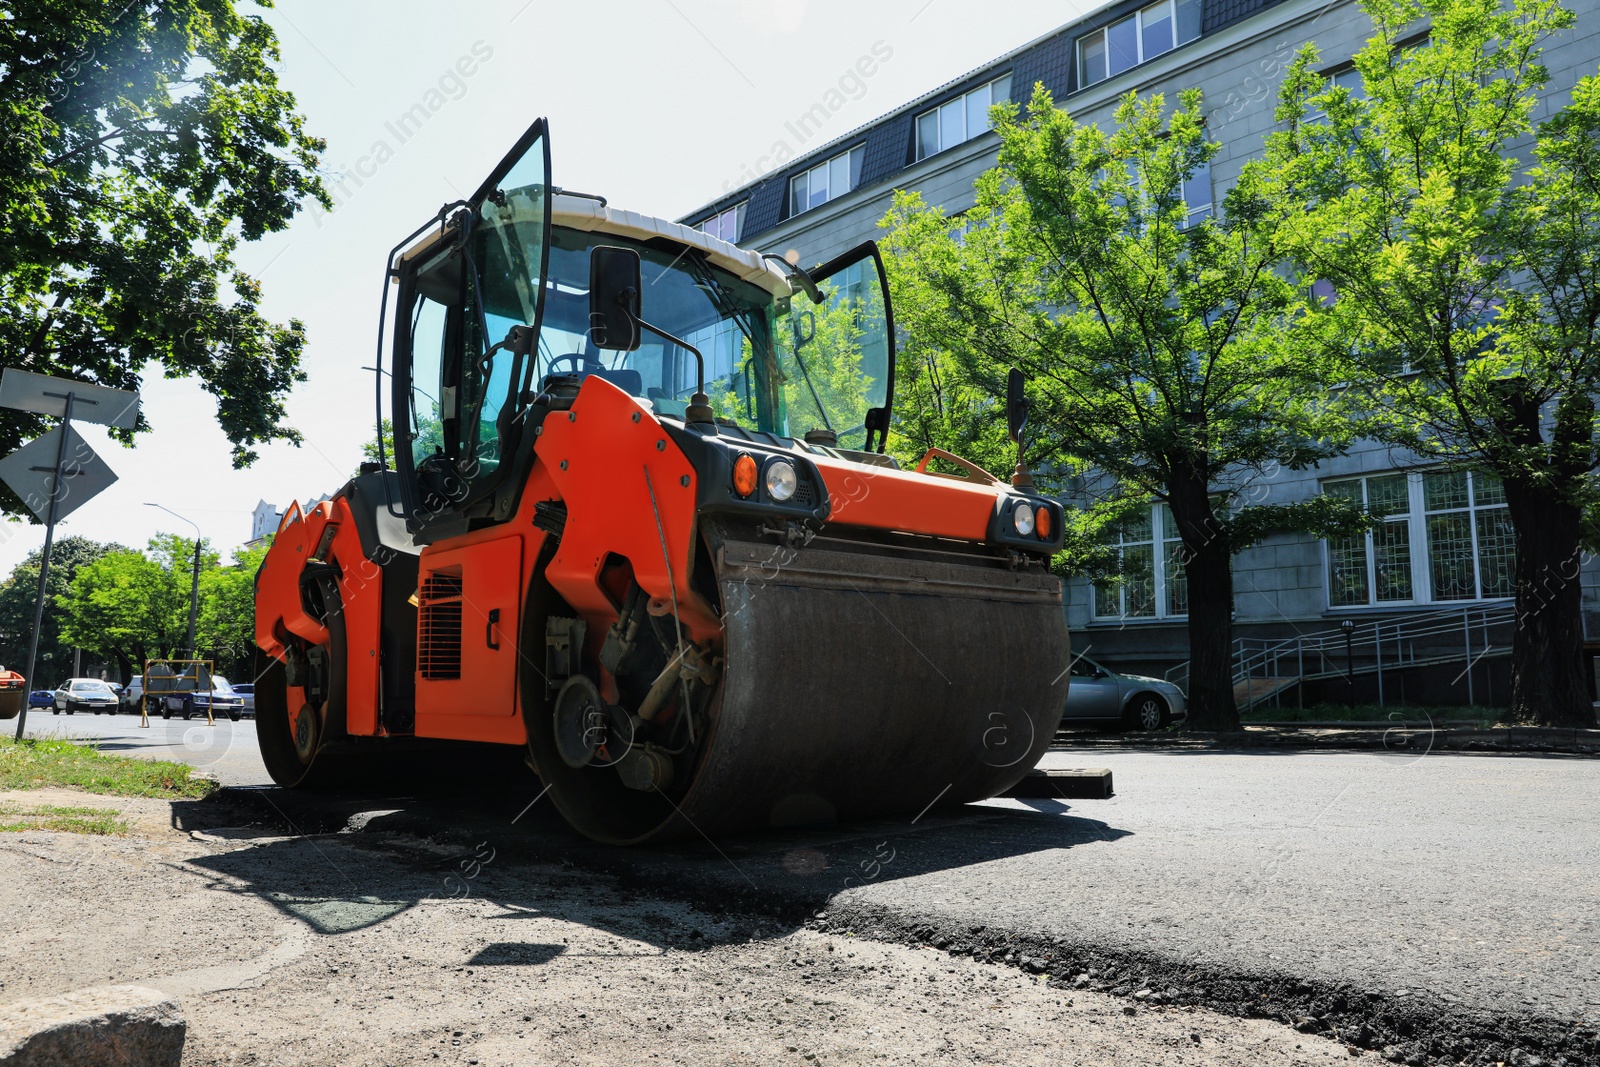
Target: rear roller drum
x=295, y=723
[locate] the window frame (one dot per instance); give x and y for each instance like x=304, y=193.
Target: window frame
x=1102, y=35
x=855, y=157
x=1420, y=549
x=937, y=114
x=720, y=218
x=1162, y=542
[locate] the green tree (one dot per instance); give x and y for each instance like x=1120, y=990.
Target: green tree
x=369, y=450
x=135, y=605
x=142, y=142
x=227, y=626
x=1465, y=275
x=124, y=604
x=67, y=557
x=1162, y=349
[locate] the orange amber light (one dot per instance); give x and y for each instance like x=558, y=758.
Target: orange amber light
x=744, y=475
x=1041, y=523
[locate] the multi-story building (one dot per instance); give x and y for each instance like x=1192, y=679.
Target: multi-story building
x=1434, y=577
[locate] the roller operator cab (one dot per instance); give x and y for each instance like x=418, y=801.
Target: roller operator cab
x=640, y=521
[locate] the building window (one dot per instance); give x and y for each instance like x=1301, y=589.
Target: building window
x=727, y=225
x=1439, y=536
x=1197, y=195
x=1143, y=590
x=1470, y=543
x=1373, y=567
x=960, y=119
x=1141, y=36
x=825, y=181
x=1345, y=79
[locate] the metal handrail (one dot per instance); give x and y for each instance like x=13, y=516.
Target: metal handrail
x=1395, y=637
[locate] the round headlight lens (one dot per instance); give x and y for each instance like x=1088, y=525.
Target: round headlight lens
x=782, y=480
x=1022, y=518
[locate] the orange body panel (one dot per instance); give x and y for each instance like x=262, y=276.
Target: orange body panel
x=891, y=499
x=361, y=595
x=607, y=443
x=480, y=704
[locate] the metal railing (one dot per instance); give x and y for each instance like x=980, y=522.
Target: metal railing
x=1373, y=646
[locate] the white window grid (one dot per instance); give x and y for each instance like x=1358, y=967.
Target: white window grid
x=1166, y=591
x=828, y=180
x=1483, y=503
x=1350, y=79
x=959, y=120
x=727, y=224
x=1149, y=32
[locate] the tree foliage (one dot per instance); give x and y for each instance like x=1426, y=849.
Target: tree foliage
x=227, y=628
x=134, y=605
x=143, y=141
x=17, y=595
x=1162, y=351
x=1467, y=278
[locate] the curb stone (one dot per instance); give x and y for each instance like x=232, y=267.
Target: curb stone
x=102, y=1026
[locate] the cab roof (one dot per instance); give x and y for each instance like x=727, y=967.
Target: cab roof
x=584, y=213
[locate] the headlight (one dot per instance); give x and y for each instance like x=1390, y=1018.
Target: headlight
x=1022, y=518
x=781, y=480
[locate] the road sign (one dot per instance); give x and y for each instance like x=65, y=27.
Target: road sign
x=27, y=391
x=30, y=471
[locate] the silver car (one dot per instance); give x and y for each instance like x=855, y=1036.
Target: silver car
x=1100, y=697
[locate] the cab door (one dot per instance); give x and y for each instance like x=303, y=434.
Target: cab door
x=474, y=303
x=837, y=356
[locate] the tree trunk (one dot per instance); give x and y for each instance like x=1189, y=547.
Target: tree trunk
x=1547, y=663
x=1208, y=566
x=124, y=665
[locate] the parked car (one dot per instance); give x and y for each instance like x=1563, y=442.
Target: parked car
x=1097, y=696
x=220, y=699
x=42, y=698
x=132, y=693
x=247, y=693
x=85, y=694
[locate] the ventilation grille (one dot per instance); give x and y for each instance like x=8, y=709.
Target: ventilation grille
x=439, y=628
x=804, y=495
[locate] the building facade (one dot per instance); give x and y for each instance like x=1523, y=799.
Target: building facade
x=1433, y=577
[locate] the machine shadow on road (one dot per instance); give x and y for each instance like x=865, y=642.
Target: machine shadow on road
x=346, y=864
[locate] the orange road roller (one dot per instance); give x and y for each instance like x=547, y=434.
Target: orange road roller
x=636, y=518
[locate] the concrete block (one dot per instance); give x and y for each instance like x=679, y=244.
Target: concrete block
x=1084, y=783
x=103, y=1026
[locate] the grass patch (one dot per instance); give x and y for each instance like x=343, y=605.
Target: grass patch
x=103, y=822
x=1390, y=715
x=36, y=764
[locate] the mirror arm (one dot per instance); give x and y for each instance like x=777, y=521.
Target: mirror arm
x=699, y=409
x=796, y=273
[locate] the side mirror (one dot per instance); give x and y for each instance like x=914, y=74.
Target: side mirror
x=1016, y=405
x=805, y=327
x=614, y=288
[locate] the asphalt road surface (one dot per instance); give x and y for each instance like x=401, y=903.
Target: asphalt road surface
x=1456, y=884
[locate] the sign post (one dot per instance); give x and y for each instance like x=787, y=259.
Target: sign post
x=46, y=488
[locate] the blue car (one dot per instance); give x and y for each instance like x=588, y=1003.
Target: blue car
x=42, y=698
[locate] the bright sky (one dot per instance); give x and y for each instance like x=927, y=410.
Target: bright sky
x=660, y=105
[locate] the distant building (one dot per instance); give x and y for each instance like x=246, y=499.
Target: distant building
x=264, y=520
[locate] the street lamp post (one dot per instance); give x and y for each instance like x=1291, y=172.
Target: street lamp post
x=194, y=588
